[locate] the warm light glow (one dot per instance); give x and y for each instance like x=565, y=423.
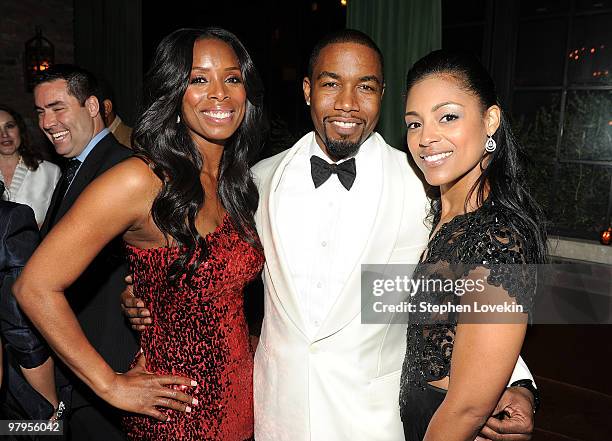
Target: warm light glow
x=343, y=2
x=38, y=56
x=592, y=50
x=40, y=66
x=606, y=236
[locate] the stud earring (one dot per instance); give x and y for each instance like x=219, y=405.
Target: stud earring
x=178, y=119
x=490, y=145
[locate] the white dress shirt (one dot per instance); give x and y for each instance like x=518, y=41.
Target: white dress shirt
x=320, y=227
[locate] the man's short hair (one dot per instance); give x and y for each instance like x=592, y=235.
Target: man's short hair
x=344, y=36
x=81, y=83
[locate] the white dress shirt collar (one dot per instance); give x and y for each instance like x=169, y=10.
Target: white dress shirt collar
x=323, y=231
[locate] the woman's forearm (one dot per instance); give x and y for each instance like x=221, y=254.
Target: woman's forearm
x=456, y=423
x=475, y=384
x=51, y=314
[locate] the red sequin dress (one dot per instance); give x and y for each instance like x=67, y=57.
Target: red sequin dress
x=199, y=332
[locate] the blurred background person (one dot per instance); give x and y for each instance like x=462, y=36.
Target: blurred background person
x=30, y=381
x=28, y=178
x=69, y=114
x=121, y=131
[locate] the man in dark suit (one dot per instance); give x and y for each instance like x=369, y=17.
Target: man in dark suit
x=66, y=100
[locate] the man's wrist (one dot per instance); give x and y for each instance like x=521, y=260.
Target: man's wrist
x=528, y=384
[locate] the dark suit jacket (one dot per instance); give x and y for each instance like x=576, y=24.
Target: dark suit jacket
x=94, y=297
x=18, y=239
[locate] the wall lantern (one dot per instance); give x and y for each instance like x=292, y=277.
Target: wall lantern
x=39, y=55
x=606, y=236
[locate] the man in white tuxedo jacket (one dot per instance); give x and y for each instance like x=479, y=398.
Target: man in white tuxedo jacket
x=320, y=374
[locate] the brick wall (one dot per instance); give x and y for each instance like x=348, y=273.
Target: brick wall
x=17, y=25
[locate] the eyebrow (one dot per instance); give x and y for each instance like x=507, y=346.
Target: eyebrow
x=54, y=103
x=335, y=76
x=208, y=69
x=437, y=106
x=434, y=108
x=370, y=78
x=325, y=73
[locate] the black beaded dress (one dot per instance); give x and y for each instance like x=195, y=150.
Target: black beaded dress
x=490, y=245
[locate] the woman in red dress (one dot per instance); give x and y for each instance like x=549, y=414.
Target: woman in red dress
x=185, y=207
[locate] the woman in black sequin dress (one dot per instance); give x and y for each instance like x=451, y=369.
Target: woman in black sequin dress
x=486, y=229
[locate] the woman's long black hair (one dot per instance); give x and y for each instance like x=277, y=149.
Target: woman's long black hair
x=502, y=175
x=31, y=156
x=175, y=159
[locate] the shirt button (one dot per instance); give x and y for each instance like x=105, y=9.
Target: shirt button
x=323, y=244
x=319, y=285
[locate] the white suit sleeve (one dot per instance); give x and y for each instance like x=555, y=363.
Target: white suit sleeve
x=521, y=372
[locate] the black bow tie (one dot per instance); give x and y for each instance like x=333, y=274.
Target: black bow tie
x=321, y=170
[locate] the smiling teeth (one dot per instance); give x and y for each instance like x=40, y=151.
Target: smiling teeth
x=219, y=115
x=59, y=135
x=345, y=125
x=433, y=158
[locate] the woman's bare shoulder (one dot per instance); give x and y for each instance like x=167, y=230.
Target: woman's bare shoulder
x=133, y=176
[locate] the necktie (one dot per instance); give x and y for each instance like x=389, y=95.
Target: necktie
x=321, y=170
x=62, y=187
x=68, y=175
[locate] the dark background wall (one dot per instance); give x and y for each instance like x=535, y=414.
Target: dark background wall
x=18, y=20
x=278, y=34
x=108, y=41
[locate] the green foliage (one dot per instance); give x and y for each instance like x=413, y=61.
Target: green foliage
x=575, y=198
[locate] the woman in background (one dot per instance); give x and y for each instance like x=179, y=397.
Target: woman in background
x=486, y=228
x=28, y=178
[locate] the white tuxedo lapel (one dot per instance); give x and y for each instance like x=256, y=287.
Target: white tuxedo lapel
x=379, y=245
x=276, y=263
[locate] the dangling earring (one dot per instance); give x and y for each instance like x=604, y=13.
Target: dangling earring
x=490, y=145
x=178, y=119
